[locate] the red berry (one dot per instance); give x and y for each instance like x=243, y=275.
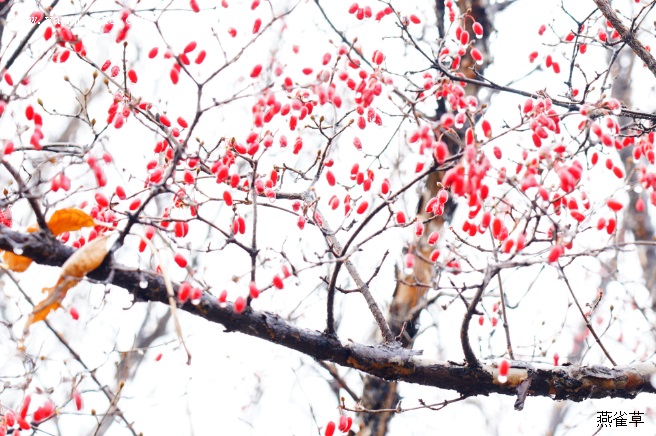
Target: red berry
x=175, y=76
x=400, y=218
x=533, y=56
x=200, y=57
x=256, y=25
x=614, y=205
x=477, y=55
x=180, y=260
x=190, y=47
x=555, y=253
x=277, y=282
x=253, y=291
x=330, y=178
x=184, y=292
x=240, y=304
x=478, y=29
x=342, y=424
x=132, y=75
x=504, y=366
x=181, y=229
x=378, y=57
x=101, y=200
x=165, y=120
x=257, y=69
x=134, y=204
x=74, y=313
x=610, y=228
x=23, y=424
x=385, y=187
x=227, y=197
x=330, y=429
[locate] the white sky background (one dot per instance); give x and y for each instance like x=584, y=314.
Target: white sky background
x=240, y=385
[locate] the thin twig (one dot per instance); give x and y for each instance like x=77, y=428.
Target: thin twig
x=585, y=318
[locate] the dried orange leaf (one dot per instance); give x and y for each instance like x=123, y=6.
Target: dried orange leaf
x=82, y=262
x=41, y=311
x=86, y=259
x=63, y=220
x=52, y=302
x=69, y=220
x=15, y=262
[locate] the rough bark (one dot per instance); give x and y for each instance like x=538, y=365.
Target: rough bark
x=389, y=362
x=627, y=34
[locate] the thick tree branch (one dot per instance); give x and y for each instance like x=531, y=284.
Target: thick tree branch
x=390, y=362
x=628, y=35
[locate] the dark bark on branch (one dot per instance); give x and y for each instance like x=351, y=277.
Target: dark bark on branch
x=628, y=35
x=390, y=362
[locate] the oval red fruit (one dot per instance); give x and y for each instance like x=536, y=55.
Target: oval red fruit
x=240, y=304
x=227, y=197
x=77, y=399
x=101, y=200
x=330, y=178
x=257, y=69
x=330, y=429
x=180, y=260
x=614, y=205
x=504, y=366
x=256, y=25
x=190, y=47
x=253, y=291
x=277, y=282
x=134, y=204
x=184, y=292
x=200, y=57
x=132, y=75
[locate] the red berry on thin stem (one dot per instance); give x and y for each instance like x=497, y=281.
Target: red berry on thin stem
x=240, y=304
